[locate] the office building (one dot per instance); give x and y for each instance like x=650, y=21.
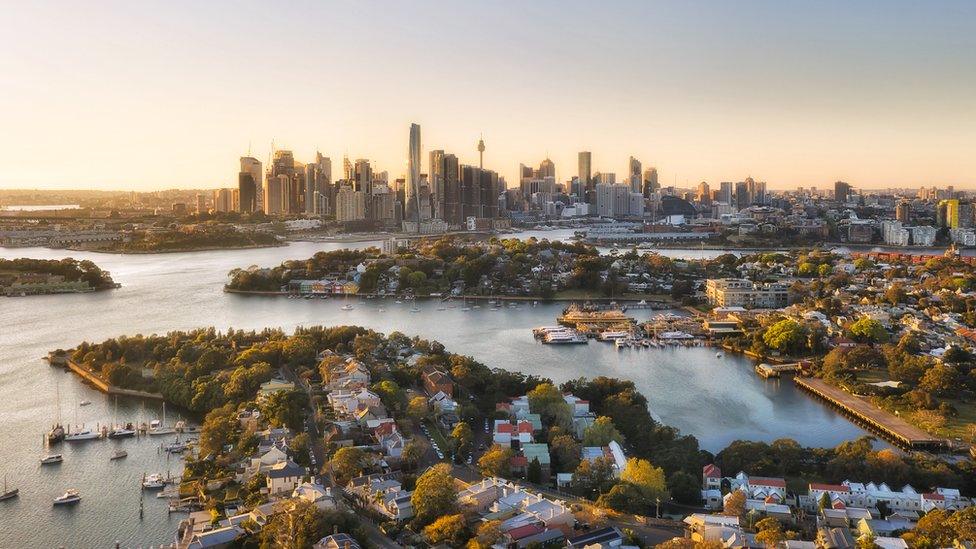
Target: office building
x=252, y=187
x=725, y=192
x=651, y=185
x=223, y=200
x=842, y=192
x=634, y=175
x=435, y=178
x=350, y=204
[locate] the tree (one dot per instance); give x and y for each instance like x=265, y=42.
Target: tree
x=895, y=294
x=418, y=409
x=285, y=409
x=393, y=397
x=463, y=437
x=533, y=473
x=624, y=497
x=735, y=504
x=414, y=452
x=684, y=488
x=939, y=379
x=298, y=524
x=486, y=535
x=867, y=541
x=769, y=532
x=220, y=428
x=547, y=401
x=348, y=463
x=785, y=336
x=434, y=494
x=868, y=330
x=496, y=462
x=647, y=478
x=824, y=502
x=449, y=529
x=593, y=477
x=601, y=432
x=564, y=452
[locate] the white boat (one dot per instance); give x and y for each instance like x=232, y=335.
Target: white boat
x=346, y=307
x=159, y=427
x=122, y=431
x=718, y=355
x=154, y=481
x=84, y=403
x=563, y=337
x=611, y=335
x=118, y=454
x=69, y=497
x=381, y=310
x=51, y=459
x=415, y=309
x=7, y=493
x=80, y=436
x=175, y=447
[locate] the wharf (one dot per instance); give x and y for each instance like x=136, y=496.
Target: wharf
x=767, y=371
x=890, y=426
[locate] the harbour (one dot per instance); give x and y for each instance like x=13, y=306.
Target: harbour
x=718, y=400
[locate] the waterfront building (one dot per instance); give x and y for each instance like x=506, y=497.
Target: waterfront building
x=738, y=292
x=923, y=235
x=963, y=236
x=894, y=234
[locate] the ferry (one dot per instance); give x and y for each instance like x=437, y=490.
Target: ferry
x=69, y=497
x=613, y=335
x=51, y=459
x=562, y=338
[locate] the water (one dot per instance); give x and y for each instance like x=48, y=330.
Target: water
x=717, y=400
x=40, y=207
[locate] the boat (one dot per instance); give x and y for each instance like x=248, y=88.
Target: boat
x=175, y=447
x=381, y=310
x=69, y=497
x=414, y=309
x=346, y=307
x=118, y=454
x=564, y=337
x=7, y=494
x=51, y=459
x=718, y=355
x=80, y=436
x=122, y=431
x=154, y=481
x=84, y=403
x=56, y=434
x=158, y=427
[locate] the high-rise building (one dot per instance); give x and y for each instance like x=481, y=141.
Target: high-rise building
x=201, y=204
x=704, y=195
x=223, y=200
x=742, y=198
x=585, y=175
x=479, y=192
x=324, y=191
x=547, y=169
x=250, y=183
x=902, y=211
x=452, y=190
x=277, y=194
x=725, y=192
x=350, y=204
x=650, y=182
x=435, y=178
x=842, y=192
x=413, y=209
x=634, y=175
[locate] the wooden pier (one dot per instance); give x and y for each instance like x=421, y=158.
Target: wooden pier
x=890, y=426
x=767, y=371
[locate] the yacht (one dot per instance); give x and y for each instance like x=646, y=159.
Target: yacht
x=175, y=447
x=56, y=434
x=154, y=481
x=84, y=403
x=69, y=497
x=51, y=459
x=346, y=307
x=381, y=310
x=83, y=435
x=611, y=335
x=158, y=427
x=123, y=431
x=564, y=337
x=7, y=494
x=118, y=454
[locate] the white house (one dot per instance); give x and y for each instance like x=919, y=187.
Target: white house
x=284, y=476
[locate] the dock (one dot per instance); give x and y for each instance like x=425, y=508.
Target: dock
x=890, y=426
x=767, y=371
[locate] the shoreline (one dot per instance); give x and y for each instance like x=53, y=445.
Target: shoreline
x=173, y=251
x=671, y=304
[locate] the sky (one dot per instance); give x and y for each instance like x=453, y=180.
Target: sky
x=153, y=95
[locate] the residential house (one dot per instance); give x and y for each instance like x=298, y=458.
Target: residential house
x=337, y=541
x=284, y=476
x=315, y=493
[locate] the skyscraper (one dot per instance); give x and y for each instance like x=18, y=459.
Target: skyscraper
x=452, y=190
x=413, y=209
x=250, y=187
x=650, y=181
x=584, y=173
x=902, y=211
x=841, y=191
x=634, y=175
x=547, y=169
x=435, y=177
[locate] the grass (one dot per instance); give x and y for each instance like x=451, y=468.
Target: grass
x=958, y=426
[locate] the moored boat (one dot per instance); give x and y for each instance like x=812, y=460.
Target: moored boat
x=69, y=497
x=154, y=481
x=51, y=459
x=8, y=493
x=80, y=436
x=118, y=454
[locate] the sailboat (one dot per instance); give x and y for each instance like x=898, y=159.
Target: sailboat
x=56, y=434
x=157, y=427
x=7, y=494
x=121, y=431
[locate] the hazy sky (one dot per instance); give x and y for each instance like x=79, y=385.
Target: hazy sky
x=148, y=95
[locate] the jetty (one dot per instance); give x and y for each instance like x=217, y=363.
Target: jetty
x=767, y=371
x=890, y=426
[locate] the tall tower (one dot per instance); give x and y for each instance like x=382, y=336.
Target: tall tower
x=413, y=174
x=481, y=153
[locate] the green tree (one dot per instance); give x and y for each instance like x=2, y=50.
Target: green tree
x=449, y=529
x=496, y=462
x=593, y=477
x=348, y=463
x=647, y=478
x=601, y=432
x=786, y=336
x=868, y=330
x=533, y=473
x=434, y=494
x=463, y=437
x=547, y=401
x=685, y=488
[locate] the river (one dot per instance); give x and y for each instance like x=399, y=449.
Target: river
x=717, y=400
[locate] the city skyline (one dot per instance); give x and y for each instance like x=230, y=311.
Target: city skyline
x=145, y=99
